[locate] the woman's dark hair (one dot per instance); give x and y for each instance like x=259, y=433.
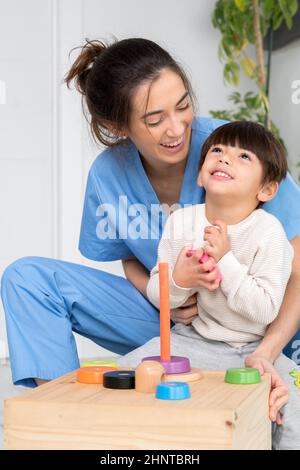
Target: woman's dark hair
x=107, y=76
x=255, y=138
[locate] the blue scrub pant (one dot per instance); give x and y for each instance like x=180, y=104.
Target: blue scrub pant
x=45, y=300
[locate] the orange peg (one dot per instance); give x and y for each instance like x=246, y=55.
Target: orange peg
x=165, y=317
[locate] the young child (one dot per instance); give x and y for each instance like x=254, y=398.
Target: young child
x=241, y=167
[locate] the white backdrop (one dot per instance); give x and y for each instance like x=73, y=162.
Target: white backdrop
x=45, y=149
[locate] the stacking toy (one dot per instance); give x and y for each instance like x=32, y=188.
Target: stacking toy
x=93, y=374
x=193, y=376
x=176, y=364
x=148, y=375
x=171, y=364
x=173, y=391
x=121, y=379
x=243, y=376
x=97, y=362
x=205, y=258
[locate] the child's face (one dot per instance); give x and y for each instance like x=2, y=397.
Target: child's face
x=231, y=171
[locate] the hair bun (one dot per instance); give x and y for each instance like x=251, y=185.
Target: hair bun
x=83, y=64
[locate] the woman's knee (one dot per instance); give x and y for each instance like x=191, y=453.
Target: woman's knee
x=16, y=268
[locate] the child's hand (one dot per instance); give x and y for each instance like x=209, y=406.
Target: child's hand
x=218, y=243
x=190, y=273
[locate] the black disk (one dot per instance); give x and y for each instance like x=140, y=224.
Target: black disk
x=119, y=379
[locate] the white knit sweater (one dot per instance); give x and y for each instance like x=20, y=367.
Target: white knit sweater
x=255, y=274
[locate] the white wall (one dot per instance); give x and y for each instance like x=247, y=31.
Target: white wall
x=286, y=114
x=45, y=150
x=26, y=132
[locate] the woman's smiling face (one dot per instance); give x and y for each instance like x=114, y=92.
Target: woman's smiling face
x=161, y=119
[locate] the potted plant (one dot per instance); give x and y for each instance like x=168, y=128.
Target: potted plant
x=246, y=23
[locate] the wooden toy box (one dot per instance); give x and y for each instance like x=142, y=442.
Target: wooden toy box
x=64, y=414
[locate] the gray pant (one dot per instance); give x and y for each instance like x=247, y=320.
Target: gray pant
x=216, y=355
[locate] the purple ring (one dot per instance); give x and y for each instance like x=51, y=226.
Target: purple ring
x=177, y=364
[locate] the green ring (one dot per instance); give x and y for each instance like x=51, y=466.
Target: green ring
x=242, y=376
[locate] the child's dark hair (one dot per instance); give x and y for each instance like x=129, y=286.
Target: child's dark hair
x=107, y=75
x=255, y=138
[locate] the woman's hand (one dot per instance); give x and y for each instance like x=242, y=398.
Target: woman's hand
x=279, y=391
x=187, y=312
x=189, y=272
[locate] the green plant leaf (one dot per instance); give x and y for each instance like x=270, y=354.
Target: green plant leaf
x=232, y=73
x=237, y=26
x=249, y=66
x=249, y=94
x=225, y=44
x=265, y=101
x=284, y=7
x=277, y=19
x=224, y=115
x=268, y=8
x=241, y=4
x=235, y=97
x=288, y=7
x=293, y=6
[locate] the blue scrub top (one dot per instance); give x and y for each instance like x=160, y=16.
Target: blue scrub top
x=117, y=179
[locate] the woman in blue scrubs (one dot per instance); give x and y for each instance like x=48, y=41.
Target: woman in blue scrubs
x=140, y=107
